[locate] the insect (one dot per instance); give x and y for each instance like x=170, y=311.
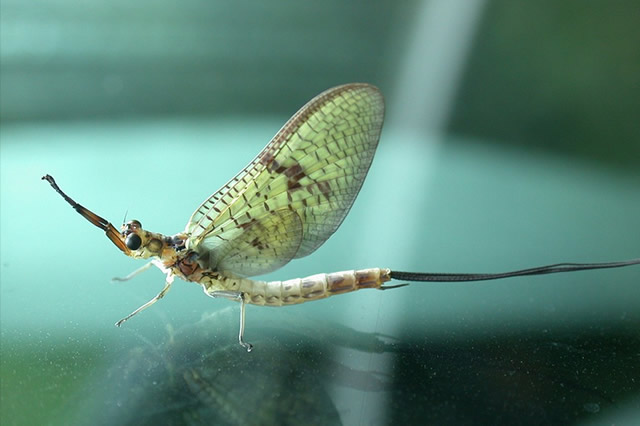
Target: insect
x=284, y=205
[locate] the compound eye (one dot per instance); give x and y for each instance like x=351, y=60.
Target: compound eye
x=133, y=241
x=134, y=224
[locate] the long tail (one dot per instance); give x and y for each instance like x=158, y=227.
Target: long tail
x=540, y=270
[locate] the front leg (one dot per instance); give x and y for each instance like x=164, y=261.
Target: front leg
x=167, y=286
x=238, y=296
x=134, y=273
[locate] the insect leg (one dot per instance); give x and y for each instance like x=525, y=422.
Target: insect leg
x=234, y=295
x=134, y=273
x=167, y=286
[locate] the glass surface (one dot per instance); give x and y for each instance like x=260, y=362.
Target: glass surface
x=143, y=109
x=549, y=349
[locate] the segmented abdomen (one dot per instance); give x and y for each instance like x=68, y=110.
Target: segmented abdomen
x=300, y=290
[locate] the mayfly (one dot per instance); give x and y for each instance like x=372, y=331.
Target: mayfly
x=284, y=205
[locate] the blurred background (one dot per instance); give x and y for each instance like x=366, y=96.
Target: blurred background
x=512, y=140
x=561, y=77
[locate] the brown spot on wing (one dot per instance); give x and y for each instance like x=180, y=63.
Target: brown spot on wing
x=325, y=188
x=248, y=224
x=258, y=244
x=292, y=185
x=275, y=167
x=294, y=174
x=267, y=156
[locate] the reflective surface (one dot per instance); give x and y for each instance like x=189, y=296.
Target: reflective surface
x=552, y=349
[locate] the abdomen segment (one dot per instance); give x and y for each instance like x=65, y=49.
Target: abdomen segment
x=314, y=287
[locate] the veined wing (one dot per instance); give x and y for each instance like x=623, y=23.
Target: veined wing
x=263, y=246
x=314, y=167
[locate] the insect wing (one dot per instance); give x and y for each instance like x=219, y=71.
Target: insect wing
x=313, y=167
x=260, y=247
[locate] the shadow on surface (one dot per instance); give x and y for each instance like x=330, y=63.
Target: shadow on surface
x=533, y=377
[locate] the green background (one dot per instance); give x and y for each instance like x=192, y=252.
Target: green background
x=146, y=108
